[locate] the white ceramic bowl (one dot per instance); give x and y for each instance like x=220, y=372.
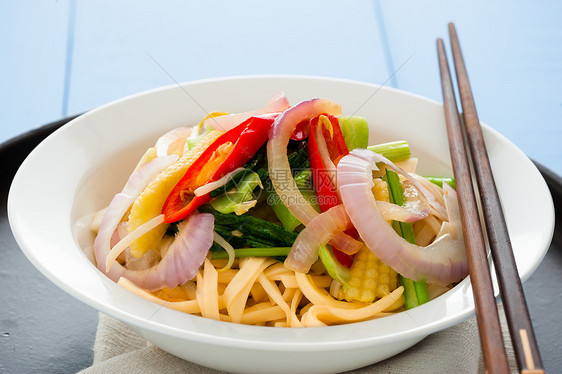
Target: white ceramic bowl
x=78, y=168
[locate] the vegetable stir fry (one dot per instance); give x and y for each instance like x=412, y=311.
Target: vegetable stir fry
x=282, y=216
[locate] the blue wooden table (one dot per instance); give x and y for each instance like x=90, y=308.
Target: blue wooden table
x=60, y=58
x=65, y=57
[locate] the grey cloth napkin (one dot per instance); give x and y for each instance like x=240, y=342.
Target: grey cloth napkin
x=118, y=349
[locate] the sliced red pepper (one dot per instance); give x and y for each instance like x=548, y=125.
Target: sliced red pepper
x=301, y=130
x=325, y=191
x=245, y=140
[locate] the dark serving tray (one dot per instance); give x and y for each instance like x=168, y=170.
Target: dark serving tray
x=43, y=329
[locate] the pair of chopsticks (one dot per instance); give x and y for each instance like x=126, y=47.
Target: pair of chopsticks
x=517, y=314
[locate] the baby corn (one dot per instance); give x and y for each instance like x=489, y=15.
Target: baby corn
x=370, y=278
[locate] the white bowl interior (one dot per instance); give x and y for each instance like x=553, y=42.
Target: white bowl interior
x=78, y=169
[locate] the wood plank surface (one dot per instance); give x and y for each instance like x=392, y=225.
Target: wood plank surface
x=116, y=43
x=514, y=59
x=33, y=40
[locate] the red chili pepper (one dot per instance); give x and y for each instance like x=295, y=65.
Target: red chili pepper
x=325, y=191
x=247, y=138
x=301, y=130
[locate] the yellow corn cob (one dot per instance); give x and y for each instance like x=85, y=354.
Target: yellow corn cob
x=370, y=278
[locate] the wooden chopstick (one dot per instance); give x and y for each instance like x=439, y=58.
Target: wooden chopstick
x=489, y=328
x=517, y=313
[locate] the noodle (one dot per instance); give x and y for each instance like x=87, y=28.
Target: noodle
x=290, y=281
x=321, y=315
x=258, y=293
x=252, y=297
x=237, y=291
x=319, y=296
x=226, y=276
x=276, y=297
x=261, y=313
x=228, y=248
x=207, y=293
x=275, y=271
x=191, y=306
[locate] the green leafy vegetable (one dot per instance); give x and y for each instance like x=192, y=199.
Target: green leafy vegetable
x=240, y=199
x=355, y=131
x=415, y=293
x=247, y=231
x=257, y=252
x=394, y=151
x=439, y=181
x=336, y=270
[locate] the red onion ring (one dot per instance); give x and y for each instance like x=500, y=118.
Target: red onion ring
x=329, y=165
x=442, y=262
x=318, y=232
x=279, y=169
x=438, y=209
x=278, y=104
x=410, y=213
x=186, y=253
